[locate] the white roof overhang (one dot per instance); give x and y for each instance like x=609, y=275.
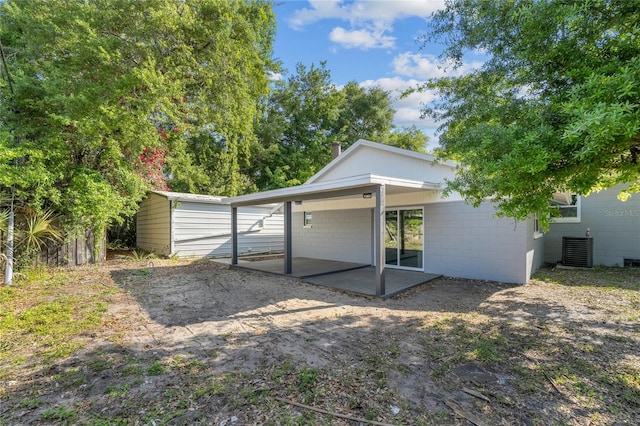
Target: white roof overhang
x=351, y=185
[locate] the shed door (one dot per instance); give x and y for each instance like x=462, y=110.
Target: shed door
x=404, y=240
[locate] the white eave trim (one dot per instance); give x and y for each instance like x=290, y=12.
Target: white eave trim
x=365, y=180
x=195, y=198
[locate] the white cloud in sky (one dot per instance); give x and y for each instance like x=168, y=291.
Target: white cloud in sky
x=424, y=66
x=274, y=76
x=370, y=20
x=362, y=39
x=363, y=11
x=409, y=108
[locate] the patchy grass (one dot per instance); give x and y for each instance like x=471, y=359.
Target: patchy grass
x=600, y=277
x=49, y=316
x=562, y=350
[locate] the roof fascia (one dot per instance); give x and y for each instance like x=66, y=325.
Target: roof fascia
x=184, y=197
x=334, y=188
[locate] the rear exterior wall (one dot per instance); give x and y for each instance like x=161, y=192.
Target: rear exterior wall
x=335, y=235
x=467, y=242
x=614, y=226
x=460, y=241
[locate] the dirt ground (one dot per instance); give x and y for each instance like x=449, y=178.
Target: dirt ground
x=448, y=352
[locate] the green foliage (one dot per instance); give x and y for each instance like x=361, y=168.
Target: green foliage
x=109, y=95
x=156, y=368
x=307, y=378
x=60, y=413
x=306, y=113
x=410, y=138
x=554, y=108
x=45, y=313
x=32, y=232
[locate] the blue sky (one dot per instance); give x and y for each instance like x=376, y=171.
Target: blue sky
x=373, y=42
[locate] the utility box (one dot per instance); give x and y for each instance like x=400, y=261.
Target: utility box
x=577, y=251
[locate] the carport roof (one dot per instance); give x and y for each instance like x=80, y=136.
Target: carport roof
x=333, y=188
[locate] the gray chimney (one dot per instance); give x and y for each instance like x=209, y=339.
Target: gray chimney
x=336, y=149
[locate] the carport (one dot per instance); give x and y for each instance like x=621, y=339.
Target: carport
x=366, y=190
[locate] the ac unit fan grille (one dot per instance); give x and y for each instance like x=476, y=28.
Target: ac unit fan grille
x=577, y=251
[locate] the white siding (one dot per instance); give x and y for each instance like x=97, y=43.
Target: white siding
x=203, y=229
x=153, y=225
x=335, y=235
x=368, y=160
x=614, y=226
x=467, y=242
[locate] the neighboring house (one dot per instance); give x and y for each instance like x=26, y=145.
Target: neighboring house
x=383, y=206
x=614, y=229
x=191, y=225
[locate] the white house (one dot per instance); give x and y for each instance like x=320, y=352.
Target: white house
x=613, y=227
x=192, y=225
x=383, y=206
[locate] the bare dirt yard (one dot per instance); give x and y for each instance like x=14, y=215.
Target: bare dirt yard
x=153, y=342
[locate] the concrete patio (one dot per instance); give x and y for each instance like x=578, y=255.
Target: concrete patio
x=349, y=277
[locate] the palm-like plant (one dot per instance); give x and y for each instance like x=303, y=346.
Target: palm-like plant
x=4, y=221
x=32, y=232
x=38, y=229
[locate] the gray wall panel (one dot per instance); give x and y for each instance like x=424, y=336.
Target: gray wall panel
x=335, y=235
x=614, y=226
x=462, y=241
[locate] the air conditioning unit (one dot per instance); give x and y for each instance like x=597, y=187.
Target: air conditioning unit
x=577, y=251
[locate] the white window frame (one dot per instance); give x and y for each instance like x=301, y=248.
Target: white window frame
x=577, y=206
x=537, y=233
x=307, y=219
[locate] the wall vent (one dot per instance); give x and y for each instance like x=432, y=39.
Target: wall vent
x=577, y=251
x=632, y=263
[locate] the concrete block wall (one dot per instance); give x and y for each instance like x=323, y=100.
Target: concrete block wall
x=335, y=235
x=468, y=242
x=614, y=227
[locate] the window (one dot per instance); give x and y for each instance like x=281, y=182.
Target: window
x=568, y=206
x=308, y=219
x=537, y=231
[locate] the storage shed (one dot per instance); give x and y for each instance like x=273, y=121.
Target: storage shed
x=193, y=225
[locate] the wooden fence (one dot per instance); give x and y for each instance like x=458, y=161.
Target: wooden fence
x=79, y=251
x=75, y=252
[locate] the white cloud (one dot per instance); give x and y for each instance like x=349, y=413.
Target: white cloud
x=409, y=108
x=274, y=76
x=363, y=39
x=370, y=21
x=426, y=66
x=364, y=11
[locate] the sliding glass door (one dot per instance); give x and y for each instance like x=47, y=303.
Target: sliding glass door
x=404, y=240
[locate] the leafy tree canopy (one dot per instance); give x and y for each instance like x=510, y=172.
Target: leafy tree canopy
x=111, y=96
x=554, y=108
x=306, y=113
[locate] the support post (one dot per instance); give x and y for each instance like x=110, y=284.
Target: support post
x=8, y=267
x=379, y=228
x=234, y=235
x=288, y=245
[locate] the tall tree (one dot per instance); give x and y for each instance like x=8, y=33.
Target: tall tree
x=365, y=114
x=554, y=108
x=306, y=113
x=110, y=93
x=296, y=128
